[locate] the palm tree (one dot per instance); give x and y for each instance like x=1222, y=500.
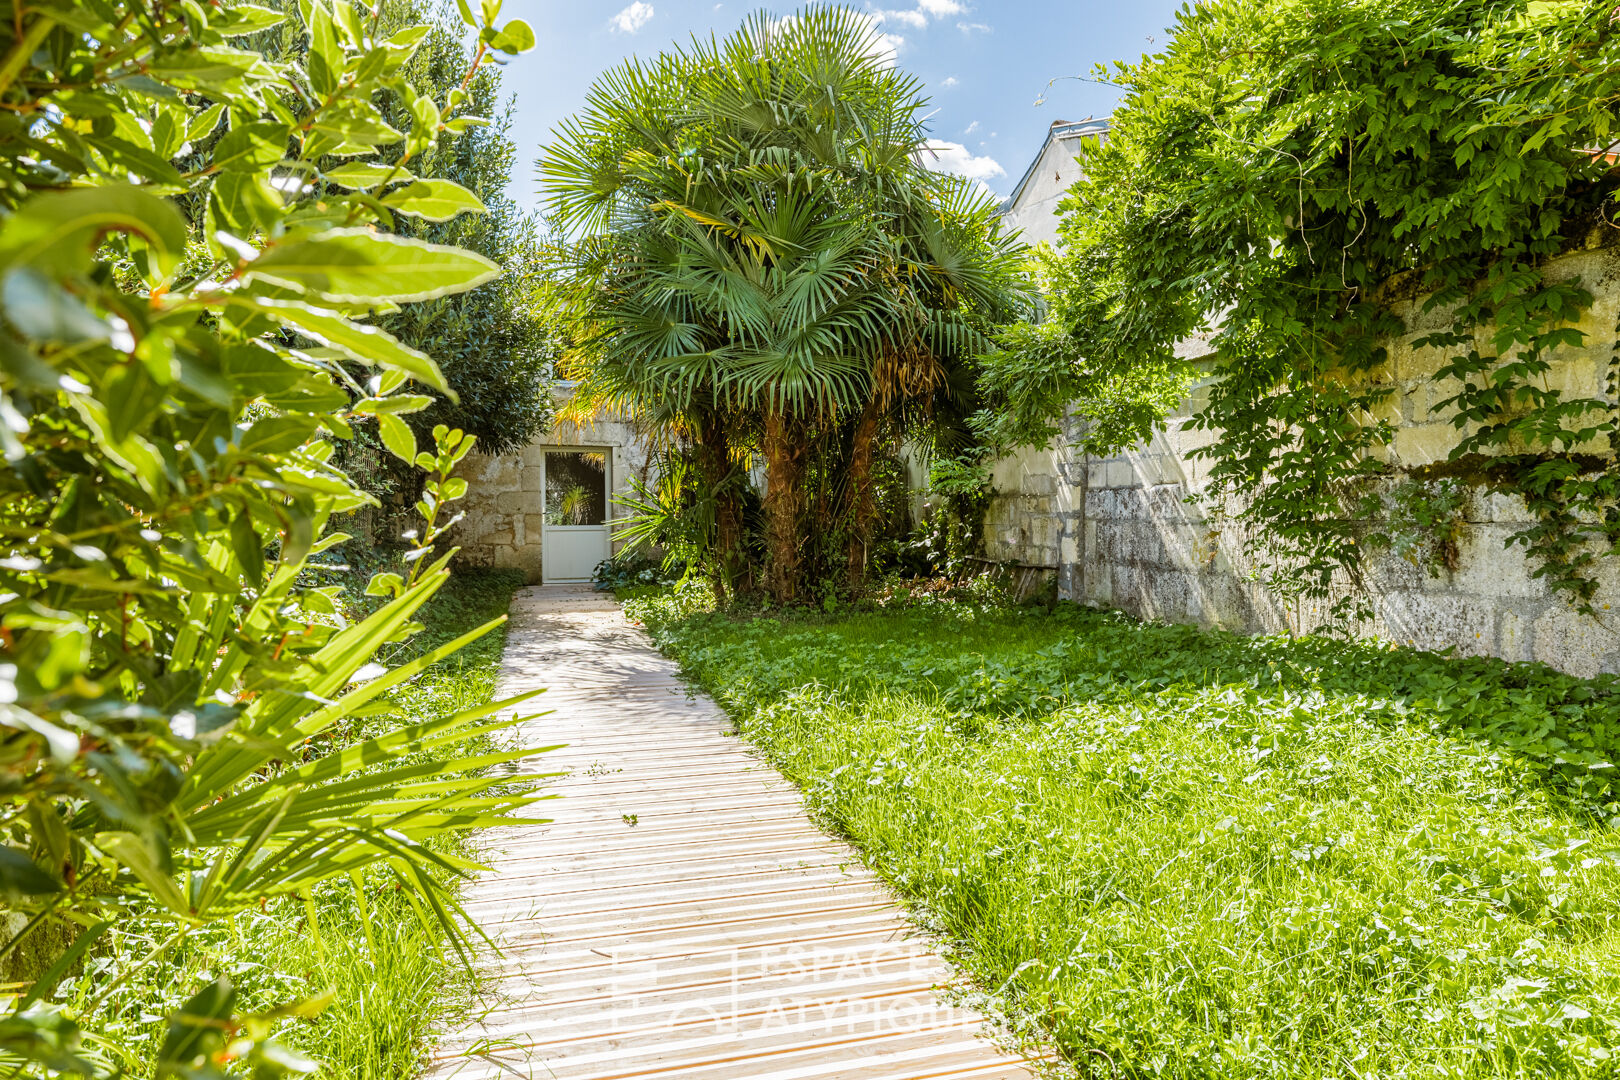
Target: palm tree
x=763, y=258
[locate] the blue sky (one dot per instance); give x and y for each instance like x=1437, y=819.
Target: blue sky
x=984, y=63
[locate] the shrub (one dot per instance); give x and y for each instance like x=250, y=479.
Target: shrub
x=194, y=237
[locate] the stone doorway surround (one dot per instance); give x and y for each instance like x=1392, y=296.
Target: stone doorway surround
x=503, y=509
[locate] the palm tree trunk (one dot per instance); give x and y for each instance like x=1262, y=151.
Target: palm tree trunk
x=714, y=459
x=785, y=452
x=863, y=507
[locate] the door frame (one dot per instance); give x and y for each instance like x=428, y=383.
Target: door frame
x=607, y=505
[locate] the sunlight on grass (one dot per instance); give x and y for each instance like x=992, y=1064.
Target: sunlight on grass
x=1187, y=854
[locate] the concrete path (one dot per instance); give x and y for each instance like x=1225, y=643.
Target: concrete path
x=680, y=917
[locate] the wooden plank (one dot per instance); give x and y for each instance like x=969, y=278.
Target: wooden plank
x=720, y=936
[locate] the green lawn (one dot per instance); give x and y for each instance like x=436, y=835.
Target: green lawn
x=1198, y=855
x=389, y=979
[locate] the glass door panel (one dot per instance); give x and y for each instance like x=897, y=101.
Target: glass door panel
x=576, y=488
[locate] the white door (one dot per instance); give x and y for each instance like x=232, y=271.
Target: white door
x=574, y=537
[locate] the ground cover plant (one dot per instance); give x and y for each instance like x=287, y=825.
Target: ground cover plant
x=1191, y=854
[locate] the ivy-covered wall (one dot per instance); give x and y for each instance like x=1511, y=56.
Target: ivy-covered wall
x=1132, y=531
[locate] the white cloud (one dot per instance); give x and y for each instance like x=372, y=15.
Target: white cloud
x=971, y=128
x=915, y=19
x=973, y=27
x=632, y=18
x=950, y=80
x=951, y=157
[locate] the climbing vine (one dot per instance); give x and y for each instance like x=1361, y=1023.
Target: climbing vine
x=1306, y=182
x=1423, y=522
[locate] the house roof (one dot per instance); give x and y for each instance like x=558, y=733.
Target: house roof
x=1064, y=130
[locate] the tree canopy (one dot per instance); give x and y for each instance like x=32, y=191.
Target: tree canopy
x=764, y=265
x=494, y=343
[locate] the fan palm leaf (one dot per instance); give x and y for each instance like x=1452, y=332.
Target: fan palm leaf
x=757, y=232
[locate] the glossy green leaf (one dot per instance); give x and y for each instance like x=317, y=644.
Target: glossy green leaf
x=363, y=342
x=197, y=1034
x=325, y=61
x=357, y=175
x=397, y=436
x=435, y=200
x=59, y=230
x=143, y=860
x=20, y=877
x=515, y=37
x=203, y=124
x=356, y=265
x=250, y=147
x=247, y=19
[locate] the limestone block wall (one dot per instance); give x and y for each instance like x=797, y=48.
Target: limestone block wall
x=1136, y=532
x=1035, y=497
x=502, y=509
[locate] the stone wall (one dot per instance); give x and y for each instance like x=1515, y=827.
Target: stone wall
x=503, y=503
x=1133, y=531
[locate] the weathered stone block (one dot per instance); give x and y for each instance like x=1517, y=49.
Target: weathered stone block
x=1183, y=440
x=1515, y=633
x=1574, y=643
x=475, y=555
x=1510, y=508
x=1118, y=504
x=1041, y=483
x=1486, y=567
x=1109, y=542
x=1100, y=584
x=1389, y=572
x=1426, y=621
x=1165, y=502
x=1227, y=601
x=1425, y=444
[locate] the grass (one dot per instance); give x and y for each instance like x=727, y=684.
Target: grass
x=1187, y=854
x=388, y=978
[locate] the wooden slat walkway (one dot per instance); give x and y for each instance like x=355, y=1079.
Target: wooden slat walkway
x=680, y=918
